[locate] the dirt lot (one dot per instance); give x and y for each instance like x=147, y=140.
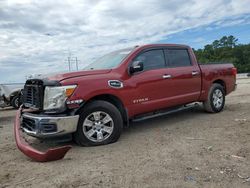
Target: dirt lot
x=186, y=149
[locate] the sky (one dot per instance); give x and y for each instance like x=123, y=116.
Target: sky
x=36, y=37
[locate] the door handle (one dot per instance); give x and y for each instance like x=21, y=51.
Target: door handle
x=194, y=73
x=166, y=76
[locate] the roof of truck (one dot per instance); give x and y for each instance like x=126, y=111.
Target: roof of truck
x=160, y=45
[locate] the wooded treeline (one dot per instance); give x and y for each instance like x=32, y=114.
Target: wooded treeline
x=226, y=49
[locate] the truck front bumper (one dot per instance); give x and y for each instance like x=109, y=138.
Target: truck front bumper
x=43, y=126
x=51, y=154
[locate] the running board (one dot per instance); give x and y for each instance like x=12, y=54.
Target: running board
x=164, y=112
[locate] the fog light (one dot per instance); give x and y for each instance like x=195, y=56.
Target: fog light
x=48, y=127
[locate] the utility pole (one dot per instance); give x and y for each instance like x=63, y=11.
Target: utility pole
x=70, y=60
x=69, y=63
x=76, y=64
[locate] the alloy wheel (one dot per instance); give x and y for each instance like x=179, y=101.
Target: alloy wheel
x=98, y=126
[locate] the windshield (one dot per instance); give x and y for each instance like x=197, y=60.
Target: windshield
x=109, y=61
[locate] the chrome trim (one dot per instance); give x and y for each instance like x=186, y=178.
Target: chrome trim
x=166, y=76
x=115, y=86
x=194, y=73
x=64, y=124
x=28, y=131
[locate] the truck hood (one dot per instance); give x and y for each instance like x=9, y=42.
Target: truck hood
x=64, y=76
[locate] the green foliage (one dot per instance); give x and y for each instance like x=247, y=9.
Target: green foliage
x=226, y=50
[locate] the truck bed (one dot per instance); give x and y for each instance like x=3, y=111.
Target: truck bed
x=217, y=72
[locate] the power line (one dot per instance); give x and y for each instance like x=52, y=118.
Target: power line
x=73, y=61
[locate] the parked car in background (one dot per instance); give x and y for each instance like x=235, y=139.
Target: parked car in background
x=10, y=95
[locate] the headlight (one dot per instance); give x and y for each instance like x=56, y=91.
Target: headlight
x=55, y=97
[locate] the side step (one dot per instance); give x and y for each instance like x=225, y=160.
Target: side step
x=164, y=112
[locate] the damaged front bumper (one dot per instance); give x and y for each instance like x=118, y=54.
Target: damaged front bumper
x=44, y=126
x=49, y=155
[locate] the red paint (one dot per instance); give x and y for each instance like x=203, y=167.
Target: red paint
x=49, y=155
x=182, y=88
x=148, y=87
x=234, y=71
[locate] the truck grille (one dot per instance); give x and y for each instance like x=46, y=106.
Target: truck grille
x=33, y=94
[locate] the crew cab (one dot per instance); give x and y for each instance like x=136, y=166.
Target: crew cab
x=129, y=84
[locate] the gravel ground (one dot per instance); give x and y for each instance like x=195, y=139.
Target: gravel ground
x=185, y=149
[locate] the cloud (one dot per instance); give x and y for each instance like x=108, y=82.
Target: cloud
x=36, y=36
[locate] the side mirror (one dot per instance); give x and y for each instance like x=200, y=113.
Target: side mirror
x=136, y=66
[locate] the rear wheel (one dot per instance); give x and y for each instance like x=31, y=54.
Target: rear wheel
x=216, y=99
x=100, y=123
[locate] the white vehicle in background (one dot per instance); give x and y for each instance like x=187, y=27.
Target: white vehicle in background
x=10, y=95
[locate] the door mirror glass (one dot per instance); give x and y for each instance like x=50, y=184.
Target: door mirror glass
x=136, y=66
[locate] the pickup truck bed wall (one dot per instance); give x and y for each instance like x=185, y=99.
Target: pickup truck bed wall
x=221, y=73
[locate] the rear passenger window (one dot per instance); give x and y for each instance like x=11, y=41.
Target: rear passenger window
x=153, y=59
x=178, y=57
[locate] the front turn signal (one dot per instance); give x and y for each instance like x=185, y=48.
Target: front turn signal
x=69, y=91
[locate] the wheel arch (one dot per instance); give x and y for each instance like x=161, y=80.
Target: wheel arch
x=113, y=100
x=222, y=83
x=13, y=94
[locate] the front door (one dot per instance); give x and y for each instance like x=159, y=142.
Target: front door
x=146, y=91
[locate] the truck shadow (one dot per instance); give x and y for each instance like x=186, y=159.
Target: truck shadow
x=173, y=120
x=179, y=117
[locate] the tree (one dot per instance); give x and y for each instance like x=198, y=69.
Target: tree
x=216, y=44
x=226, y=49
x=223, y=41
x=231, y=41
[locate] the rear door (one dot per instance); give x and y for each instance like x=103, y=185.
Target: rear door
x=182, y=77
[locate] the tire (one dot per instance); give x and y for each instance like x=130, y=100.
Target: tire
x=216, y=99
x=92, y=129
x=15, y=102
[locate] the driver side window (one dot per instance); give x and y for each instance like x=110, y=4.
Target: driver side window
x=153, y=59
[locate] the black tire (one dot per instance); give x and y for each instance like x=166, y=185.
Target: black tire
x=15, y=102
x=99, y=106
x=209, y=104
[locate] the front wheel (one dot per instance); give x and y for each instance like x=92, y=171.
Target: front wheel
x=216, y=99
x=15, y=102
x=100, y=123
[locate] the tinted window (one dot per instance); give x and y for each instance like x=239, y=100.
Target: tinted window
x=178, y=57
x=153, y=59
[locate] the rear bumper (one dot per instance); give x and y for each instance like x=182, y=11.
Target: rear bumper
x=42, y=126
x=49, y=155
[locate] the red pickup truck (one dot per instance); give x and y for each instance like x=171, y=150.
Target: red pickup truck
x=129, y=84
